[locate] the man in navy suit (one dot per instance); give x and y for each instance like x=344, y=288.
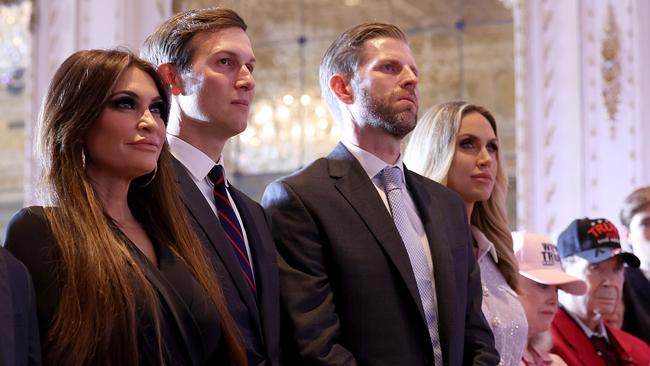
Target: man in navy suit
x=376, y=265
x=206, y=58
x=19, y=340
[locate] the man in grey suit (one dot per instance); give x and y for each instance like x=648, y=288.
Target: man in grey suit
x=206, y=58
x=376, y=265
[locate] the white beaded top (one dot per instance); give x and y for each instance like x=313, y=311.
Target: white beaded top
x=501, y=306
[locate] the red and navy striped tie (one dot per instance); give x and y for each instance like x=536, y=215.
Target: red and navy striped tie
x=230, y=223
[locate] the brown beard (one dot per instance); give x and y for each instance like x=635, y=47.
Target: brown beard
x=380, y=114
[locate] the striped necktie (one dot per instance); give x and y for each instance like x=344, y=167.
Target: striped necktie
x=230, y=222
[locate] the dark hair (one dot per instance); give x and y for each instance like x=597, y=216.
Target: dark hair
x=101, y=286
x=75, y=99
x=633, y=203
x=344, y=56
x=169, y=44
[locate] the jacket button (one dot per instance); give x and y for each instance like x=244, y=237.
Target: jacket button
x=427, y=362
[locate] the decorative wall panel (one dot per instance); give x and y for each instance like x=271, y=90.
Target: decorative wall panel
x=579, y=127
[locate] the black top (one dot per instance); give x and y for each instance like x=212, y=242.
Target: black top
x=190, y=325
x=636, y=295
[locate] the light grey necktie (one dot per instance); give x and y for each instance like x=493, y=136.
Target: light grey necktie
x=393, y=183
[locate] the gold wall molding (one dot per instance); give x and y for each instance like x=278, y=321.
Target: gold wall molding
x=611, y=67
x=521, y=38
x=548, y=36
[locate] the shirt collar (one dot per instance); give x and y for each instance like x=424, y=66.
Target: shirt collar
x=600, y=328
x=484, y=244
x=371, y=163
x=197, y=163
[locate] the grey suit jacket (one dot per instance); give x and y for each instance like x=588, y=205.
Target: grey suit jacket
x=257, y=315
x=347, y=285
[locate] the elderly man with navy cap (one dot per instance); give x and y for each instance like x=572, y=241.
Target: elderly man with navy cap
x=590, y=249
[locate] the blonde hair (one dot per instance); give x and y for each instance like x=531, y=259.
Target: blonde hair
x=430, y=152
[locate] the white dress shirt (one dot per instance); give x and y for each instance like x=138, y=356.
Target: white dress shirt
x=601, y=331
x=373, y=166
x=198, y=164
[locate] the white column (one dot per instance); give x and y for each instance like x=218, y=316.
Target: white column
x=580, y=110
x=64, y=26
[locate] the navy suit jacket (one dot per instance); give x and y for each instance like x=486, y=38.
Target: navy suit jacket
x=347, y=285
x=257, y=316
x=19, y=339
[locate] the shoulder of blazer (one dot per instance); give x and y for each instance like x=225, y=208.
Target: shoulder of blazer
x=568, y=335
x=243, y=197
x=434, y=188
x=334, y=165
x=631, y=344
x=26, y=229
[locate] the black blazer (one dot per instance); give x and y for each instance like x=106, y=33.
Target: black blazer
x=258, y=317
x=190, y=325
x=19, y=340
x=636, y=296
x=347, y=284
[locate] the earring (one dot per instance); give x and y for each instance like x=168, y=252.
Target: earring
x=153, y=175
x=83, y=157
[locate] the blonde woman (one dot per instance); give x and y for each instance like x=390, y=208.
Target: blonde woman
x=456, y=144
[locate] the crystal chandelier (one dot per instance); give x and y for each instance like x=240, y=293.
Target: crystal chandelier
x=14, y=41
x=285, y=133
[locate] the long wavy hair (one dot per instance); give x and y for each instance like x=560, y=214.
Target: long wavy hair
x=102, y=288
x=430, y=152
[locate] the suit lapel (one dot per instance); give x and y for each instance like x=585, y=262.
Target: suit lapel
x=441, y=257
x=623, y=350
x=575, y=338
x=356, y=187
x=202, y=213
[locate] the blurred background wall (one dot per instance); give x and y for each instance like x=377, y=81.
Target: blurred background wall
x=562, y=77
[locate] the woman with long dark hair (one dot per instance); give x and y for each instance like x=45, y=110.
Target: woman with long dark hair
x=120, y=277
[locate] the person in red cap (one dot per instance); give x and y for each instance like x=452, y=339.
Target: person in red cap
x=590, y=249
x=541, y=275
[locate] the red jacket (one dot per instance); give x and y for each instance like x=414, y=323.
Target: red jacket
x=571, y=343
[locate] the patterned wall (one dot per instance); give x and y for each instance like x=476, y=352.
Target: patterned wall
x=580, y=87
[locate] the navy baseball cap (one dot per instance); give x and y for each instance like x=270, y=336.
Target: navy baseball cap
x=595, y=240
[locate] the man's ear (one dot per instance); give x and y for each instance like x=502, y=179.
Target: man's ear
x=342, y=88
x=171, y=77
